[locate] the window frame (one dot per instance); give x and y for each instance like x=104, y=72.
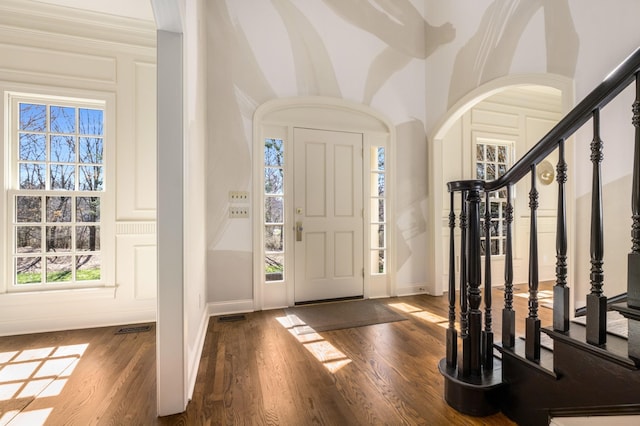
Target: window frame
x=494, y=197
x=10, y=161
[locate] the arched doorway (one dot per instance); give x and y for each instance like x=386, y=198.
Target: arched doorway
x=512, y=112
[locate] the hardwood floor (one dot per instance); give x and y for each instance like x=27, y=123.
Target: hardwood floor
x=252, y=372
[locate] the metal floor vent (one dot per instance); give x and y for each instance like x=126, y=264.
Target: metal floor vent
x=133, y=329
x=231, y=318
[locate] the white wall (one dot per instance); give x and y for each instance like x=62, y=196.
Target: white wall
x=68, y=52
x=497, y=39
x=258, y=51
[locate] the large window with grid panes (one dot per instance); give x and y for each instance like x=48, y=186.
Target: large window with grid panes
x=56, y=192
x=492, y=160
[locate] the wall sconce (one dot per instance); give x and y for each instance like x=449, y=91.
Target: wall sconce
x=545, y=172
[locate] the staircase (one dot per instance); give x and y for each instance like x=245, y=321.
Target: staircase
x=589, y=372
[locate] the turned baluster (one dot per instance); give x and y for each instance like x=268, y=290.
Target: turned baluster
x=464, y=307
x=560, y=290
x=532, y=325
x=487, y=334
x=508, y=314
x=475, y=270
x=596, y=300
x=452, y=334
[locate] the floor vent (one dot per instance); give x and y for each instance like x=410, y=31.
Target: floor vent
x=232, y=318
x=133, y=329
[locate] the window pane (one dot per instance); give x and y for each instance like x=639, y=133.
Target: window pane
x=88, y=209
x=502, y=154
x=59, y=268
x=273, y=238
x=32, y=176
x=90, y=150
x=58, y=238
x=87, y=238
x=480, y=152
x=63, y=149
x=58, y=209
x=480, y=171
x=378, y=265
x=274, y=210
x=88, y=267
x=28, y=239
x=502, y=169
x=491, y=171
x=381, y=158
x=381, y=185
x=491, y=153
x=273, y=152
x=28, y=209
x=377, y=236
x=90, y=178
x=62, y=177
x=273, y=180
x=63, y=119
x=32, y=147
x=495, y=244
x=91, y=121
x=483, y=245
x=274, y=267
x=33, y=117
x=377, y=210
x=28, y=270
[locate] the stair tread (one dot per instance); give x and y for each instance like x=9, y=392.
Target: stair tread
x=545, y=364
x=615, y=350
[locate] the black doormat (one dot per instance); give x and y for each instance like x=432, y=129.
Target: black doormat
x=340, y=315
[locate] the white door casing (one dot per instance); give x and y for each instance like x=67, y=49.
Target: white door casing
x=328, y=214
x=278, y=119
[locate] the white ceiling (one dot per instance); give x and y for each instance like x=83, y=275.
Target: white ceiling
x=138, y=9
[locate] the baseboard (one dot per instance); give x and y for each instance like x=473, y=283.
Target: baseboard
x=412, y=290
x=76, y=322
x=230, y=307
x=196, y=355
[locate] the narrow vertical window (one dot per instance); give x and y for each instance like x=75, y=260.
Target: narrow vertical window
x=377, y=213
x=56, y=193
x=492, y=161
x=274, y=193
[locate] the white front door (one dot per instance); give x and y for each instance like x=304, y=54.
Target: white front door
x=328, y=215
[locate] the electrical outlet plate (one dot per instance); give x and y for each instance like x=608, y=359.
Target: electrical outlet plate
x=238, y=212
x=238, y=196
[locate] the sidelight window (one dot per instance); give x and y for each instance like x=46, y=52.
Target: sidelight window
x=274, y=193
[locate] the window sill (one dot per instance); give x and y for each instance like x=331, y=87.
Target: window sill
x=57, y=296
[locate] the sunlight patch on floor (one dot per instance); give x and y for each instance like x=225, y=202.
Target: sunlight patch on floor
x=34, y=374
x=330, y=356
x=420, y=313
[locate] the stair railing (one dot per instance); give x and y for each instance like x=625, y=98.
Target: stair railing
x=477, y=344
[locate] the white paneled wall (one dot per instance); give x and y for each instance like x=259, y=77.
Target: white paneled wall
x=50, y=50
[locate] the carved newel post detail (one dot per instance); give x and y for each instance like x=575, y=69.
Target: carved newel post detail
x=596, y=300
x=475, y=297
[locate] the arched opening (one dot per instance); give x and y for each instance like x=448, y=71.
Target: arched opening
x=504, y=117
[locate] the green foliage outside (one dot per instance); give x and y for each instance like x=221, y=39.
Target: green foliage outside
x=60, y=276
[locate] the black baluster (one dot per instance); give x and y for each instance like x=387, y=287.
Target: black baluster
x=596, y=301
x=532, y=330
x=487, y=334
x=464, y=307
x=633, y=276
x=452, y=334
x=508, y=314
x=560, y=290
x=475, y=297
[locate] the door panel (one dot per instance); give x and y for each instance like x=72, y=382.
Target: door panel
x=328, y=206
